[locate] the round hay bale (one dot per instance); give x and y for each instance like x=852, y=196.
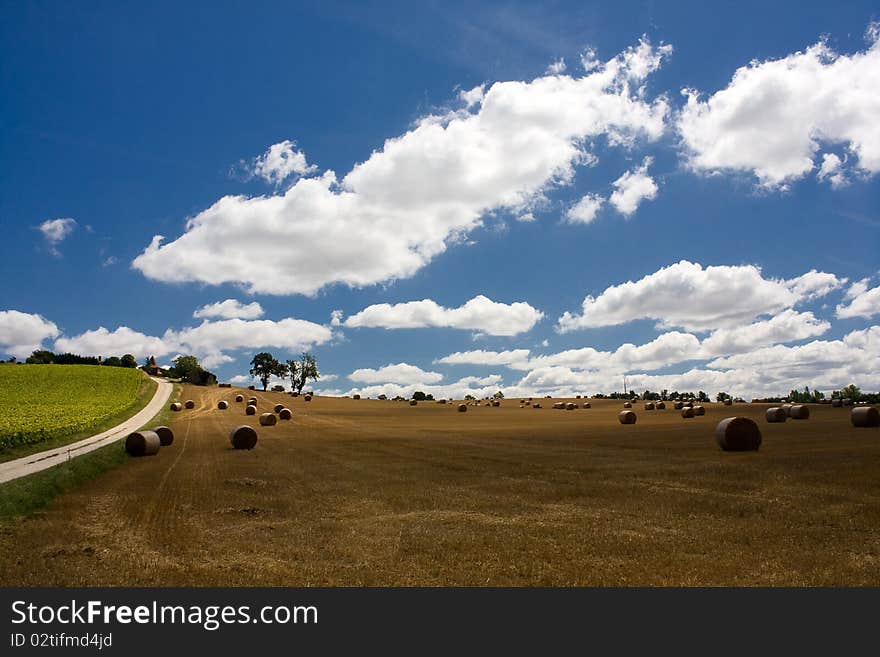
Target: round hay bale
x=239, y=398
x=295, y=393
x=688, y=404
x=462, y=408
x=243, y=437
x=441, y=401
x=176, y=406
x=649, y=406
x=252, y=387
x=536, y=405
x=836, y=403
x=143, y=443
x=728, y=401
x=775, y=414
x=787, y=409
x=865, y=416
x=587, y=405
x=678, y=406
x=307, y=397
x=355, y=396
x=660, y=406
x=627, y=417
x=738, y=434
x=559, y=405
x=250, y=409
x=268, y=419
x=496, y=403
x=252, y=400
x=413, y=402
x=222, y=405
x=570, y=406
x=285, y=414
x=627, y=405
x=799, y=412
x=699, y=410
x=189, y=403
x=687, y=412
x=166, y=435
x=278, y=407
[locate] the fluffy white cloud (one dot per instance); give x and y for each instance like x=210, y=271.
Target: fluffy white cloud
x=689, y=296
x=863, y=302
x=281, y=161
x=557, y=67
x=814, y=284
x=392, y=214
x=482, y=357
x=401, y=373
x=788, y=326
x=773, y=116
x=585, y=210
x=55, y=231
x=832, y=170
x=632, y=188
x=229, y=309
x=123, y=340
x=479, y=314
x=21, y=333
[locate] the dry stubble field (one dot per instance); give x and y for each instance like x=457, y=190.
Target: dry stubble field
x=380, y=493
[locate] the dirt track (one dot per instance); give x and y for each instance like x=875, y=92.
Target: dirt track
x=380, y=493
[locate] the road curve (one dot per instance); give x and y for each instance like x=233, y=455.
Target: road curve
x=43, y=460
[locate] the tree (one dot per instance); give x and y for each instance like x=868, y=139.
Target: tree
x=721, y=396
x=186, y=368
x=307, y=368
x=265, y=366
x=128, y=361
x=113, y=361
x=40, y=357
x=498, y=395
x=293, y=372
x=418, y=395
x=469, y=398
x=851, y=391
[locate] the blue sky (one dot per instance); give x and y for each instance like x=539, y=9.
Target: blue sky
x=731, y=237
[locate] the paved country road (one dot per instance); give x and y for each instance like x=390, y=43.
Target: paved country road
x=43, y=460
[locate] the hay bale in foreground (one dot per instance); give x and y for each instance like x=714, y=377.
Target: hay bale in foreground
x=166, y=435
x=462, y=408
x=239, y=398
x=587, y=405
x=142, y=443
x=355, y=396
x=307, y=398
x=627, y=417
x=243, y=437
x=250, y=409
x=285, y=414
x=687, y=412
x=189, y=403
x=699, y=410
x=495, y=402
x=268, y=419
x=738, y=434
x=627, y=404
x=176, y=406
x=660, y=406
x=649, y=406
x=570, y=406
x=865, y=416
x=252, y=400
x=222, y=405
x=536, y=405
x=278, y=408
x=413, y=402
x=787, y=409
x=775, y=414
x=559, y=405
x=799, y=412
x=679, y=405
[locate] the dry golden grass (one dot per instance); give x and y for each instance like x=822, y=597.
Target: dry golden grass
x=381, y=493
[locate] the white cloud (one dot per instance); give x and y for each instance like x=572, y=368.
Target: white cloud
x=22, y=333
x=788, y=326
x=55, y=231
x=481, y=357
x=473, y=97
x=864, y=302
x=336, y=318
x=557, y=67
x=585, y=210
x=479, y=314
x=689, y=296
x=814, y=284
x=280, y=162
x=230, y=309
x=632, y=188
x=773, y=116
x=123, y=340
x=832, y=170
x=401, y=373
x=109, y=261
x=395, y=212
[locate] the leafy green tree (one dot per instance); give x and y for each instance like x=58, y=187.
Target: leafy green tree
x=498, y=395
x=418, y=395
x=186, y=368
x=851, y=391
x=40, y=357
x=113, y=361
x=306, y=369
x=265, y=366
x=128, y=361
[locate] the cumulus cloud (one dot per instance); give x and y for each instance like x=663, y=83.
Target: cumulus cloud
x=55, y=231
x=393, y=213
x=863, y=302
x=585, y=210
x=632, y=188
x=401, y=373
x=482, y=357
x=688, y=296
x=557, y=67
x=832, y=170
x=280, y=162
x=479, y=314
x=22, y=333
x=229, y=309
x=122, y=340
x=774, y=116
x=788, y=326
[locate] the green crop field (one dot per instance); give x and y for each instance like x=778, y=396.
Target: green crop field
x=57, y=403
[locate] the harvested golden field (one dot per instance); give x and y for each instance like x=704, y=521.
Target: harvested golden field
x=371, y=492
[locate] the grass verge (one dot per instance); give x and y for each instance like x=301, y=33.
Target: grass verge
x=25, y=495
x=145, y=392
